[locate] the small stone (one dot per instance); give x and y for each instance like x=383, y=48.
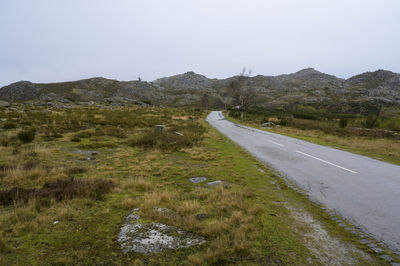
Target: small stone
x=55, y=222
x=268, y=124
x=178, y=133
x=342, y=225
x=215, y=183
x=261, y=170
x=354, y=232
x=386, y=257
x=372, y=245
x=377, y=250
x=201, y=216
x=364, y=241
x=347, y=228
x=395, y=264
x=198, y=179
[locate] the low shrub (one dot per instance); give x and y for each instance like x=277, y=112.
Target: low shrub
x=343, y=122
x=3, y=247
x=111, y=131
x=27, y=136
x=162, y=140
x=75, y=139
x=371, y=121
x=4, y=141
x=84, y=134
x=61, y=189
x=174, y=139
x=42, y=203
x=9, y=125
x=76, y=170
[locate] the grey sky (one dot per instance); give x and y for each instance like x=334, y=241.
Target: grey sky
x=58, y=40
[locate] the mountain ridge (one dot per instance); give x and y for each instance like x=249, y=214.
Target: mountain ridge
x=307, y=86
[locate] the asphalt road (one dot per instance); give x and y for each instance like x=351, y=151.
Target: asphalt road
x=364, y=191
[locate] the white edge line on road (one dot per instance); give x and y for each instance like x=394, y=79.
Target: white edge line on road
x=351, y=171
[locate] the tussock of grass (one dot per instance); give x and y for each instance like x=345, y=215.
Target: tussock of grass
x=158, y=197
x=138, y=183
x=128, y=203
x=189, y=207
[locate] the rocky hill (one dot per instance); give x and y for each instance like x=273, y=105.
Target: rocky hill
x=307, y=86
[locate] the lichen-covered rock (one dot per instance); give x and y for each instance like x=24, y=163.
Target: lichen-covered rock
x=137, y=236
x=4, y=104
x=198, y=179
x=159, y=128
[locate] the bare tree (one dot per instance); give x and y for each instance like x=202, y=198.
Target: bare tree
x=242, y=94
x=224, y=96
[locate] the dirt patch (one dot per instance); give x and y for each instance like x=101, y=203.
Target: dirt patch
x=325, y=248
x=62, y=189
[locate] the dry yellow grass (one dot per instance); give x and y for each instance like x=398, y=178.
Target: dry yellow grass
x=128, y=203
x=137, y=183
x=215, y=226
x=189, y=207
x=240, y=240
x=21, y=176
x=158, y=198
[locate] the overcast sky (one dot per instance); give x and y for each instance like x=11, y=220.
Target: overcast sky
x=59, y=40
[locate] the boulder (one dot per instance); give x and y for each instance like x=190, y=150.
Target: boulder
x=159, y=128
x=268, y=124
x=4, y=104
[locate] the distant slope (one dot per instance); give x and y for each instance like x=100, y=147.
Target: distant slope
x=307, y=86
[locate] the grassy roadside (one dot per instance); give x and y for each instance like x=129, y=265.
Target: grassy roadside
x=387, y=150
x=255, y=218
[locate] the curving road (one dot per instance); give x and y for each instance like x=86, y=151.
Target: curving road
x=364, y=191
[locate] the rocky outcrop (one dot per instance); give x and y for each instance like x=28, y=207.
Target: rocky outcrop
x=188, y=81
x=19, y=91
x=140, y=237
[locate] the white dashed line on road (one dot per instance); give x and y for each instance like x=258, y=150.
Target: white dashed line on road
x=275, y=143
x=351, y=171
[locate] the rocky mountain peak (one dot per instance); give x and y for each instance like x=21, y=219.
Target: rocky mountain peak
x=187, y=81
x=307, y=71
